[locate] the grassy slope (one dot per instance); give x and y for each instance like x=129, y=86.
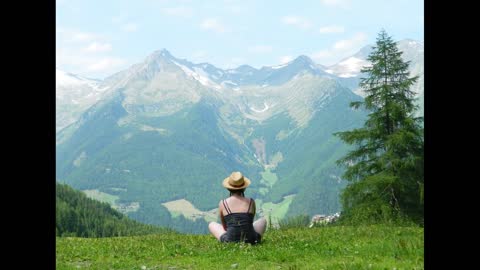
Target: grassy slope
x=364, y=247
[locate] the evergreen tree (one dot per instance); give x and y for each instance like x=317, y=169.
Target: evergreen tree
x=385, y=168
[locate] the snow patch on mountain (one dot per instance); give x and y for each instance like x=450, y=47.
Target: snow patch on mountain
x=279, y=66
x=228, y=82
x=359, y=91
x=412, y=43
x=67, y=79
x=265, y=108
x=349, y=67
x=202, y=78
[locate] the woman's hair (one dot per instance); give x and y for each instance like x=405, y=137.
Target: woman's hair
x=237, y=191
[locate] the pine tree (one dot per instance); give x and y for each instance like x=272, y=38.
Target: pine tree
x=385, y=168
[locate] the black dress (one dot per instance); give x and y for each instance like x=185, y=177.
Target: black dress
x=240, y=227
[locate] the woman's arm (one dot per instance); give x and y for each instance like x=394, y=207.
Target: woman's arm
x=220, y=213
x=254, y=207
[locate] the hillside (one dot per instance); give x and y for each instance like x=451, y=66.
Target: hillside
x=150, y=145
x=334, y=247
x=77, y=215
x=166, y=131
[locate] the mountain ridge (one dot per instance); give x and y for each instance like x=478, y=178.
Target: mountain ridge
x=168, y=130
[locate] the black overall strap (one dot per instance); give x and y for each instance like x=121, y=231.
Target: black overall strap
x=250, y=205
x=225, y=204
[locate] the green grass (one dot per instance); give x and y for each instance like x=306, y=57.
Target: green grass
x=299, y=221
x=333, y=247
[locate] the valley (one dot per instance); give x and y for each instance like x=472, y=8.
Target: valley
x=156, y=140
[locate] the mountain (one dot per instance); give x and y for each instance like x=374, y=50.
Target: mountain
x=74, y=95
x=414, y=51
x=168, y=131
x=349, y=68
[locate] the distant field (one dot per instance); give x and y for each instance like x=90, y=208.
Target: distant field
x=112, y=200
x=277, y=211
x=275, y=159
x=335, y=247
x=188, y=210
x=101, y=196
x=268, y=177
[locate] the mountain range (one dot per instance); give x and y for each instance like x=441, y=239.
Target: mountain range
x=160, y=136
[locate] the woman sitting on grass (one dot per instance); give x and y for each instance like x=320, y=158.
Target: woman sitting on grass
x=237, y=214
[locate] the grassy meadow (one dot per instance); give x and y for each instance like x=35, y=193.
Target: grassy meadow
x=331, y=247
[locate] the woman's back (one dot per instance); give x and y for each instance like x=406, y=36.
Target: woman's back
x=237, y=214
x=237, y=204
x=239, y=220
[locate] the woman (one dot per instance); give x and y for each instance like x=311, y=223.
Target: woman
x=237, y=214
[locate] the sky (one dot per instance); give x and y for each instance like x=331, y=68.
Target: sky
x=97, y=38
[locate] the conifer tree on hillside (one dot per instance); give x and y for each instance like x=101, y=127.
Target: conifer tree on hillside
x=385, y=167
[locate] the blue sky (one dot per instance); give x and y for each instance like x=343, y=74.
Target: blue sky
x=96, y=38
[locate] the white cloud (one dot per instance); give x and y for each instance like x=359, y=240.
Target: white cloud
x=322, y=54
x=77, y=61
x=179, y=11
x=285, y=59
x=70, y=57
x=82, y=37
x=74, y=36
x=130, y=27
x=105, y=64
x=260, y=49
x=86, y=54
x=340, y=49
x=348, y=44
x=297, y=21
x=214, y=25
x=66, y=35
x=98, y=47
x=331, y=29
x=336, y=3
x=124, y=23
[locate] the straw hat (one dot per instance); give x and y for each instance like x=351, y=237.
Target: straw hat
x=235, y=181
